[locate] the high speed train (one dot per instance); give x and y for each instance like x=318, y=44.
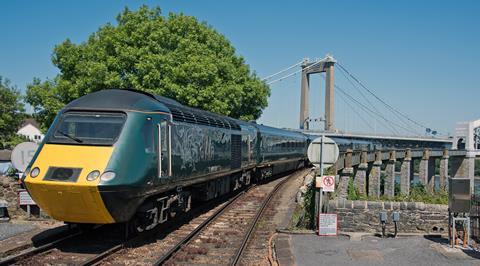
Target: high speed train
x=117, y=156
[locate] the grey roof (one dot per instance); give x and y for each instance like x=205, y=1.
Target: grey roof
x=5, y=155
x=117, y=99
x=31, y=121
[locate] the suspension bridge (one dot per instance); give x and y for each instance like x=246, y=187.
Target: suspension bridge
x=410, y=140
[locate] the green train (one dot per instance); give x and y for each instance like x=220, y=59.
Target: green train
x=117, y=156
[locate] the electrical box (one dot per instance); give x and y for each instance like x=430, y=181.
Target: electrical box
x=383, y=217
x=3, y=210
x=396, y=216
x=459, y=195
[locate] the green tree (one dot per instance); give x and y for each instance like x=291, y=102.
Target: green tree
x=11, y=114
x=175, y=56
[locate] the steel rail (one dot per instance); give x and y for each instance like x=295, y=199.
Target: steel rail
x=199, y=228
x=256, y=219
x=36, y=250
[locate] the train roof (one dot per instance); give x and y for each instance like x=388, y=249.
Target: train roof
x=117, y=99
x=128, y=99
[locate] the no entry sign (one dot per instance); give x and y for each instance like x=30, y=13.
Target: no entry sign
x=328, y=183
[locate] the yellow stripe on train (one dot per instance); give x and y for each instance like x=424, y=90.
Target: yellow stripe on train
x=76, y=202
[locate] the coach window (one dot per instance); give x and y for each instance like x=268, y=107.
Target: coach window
x=148, y=136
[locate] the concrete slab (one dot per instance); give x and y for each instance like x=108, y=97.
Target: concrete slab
x=361, y=249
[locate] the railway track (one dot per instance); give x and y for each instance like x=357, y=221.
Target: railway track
x=216, y=233
x=49, y=243
x=222, y=238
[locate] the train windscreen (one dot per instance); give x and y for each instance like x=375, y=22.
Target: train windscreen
x=88, y=128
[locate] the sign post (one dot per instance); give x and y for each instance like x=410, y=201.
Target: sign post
x=323, y=152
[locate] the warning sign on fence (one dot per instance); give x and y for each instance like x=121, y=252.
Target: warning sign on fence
x=327, y=224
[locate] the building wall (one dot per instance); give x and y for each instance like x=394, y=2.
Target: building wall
x=31, y=132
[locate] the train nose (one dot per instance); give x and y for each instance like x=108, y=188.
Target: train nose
x=64, y=182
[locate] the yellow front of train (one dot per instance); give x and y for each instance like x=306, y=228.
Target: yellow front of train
x=64, y=175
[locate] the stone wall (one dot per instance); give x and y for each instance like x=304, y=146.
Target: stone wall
x=415, y=217
x=9, y=193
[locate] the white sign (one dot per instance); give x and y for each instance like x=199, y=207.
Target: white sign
x=328, y=183
x=327, y=224
x=24, y=198
x=330, y=153
x=22, y=154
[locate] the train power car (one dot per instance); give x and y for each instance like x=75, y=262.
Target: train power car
x=118, y=156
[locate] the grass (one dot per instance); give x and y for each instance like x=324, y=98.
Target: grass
x=418, y=193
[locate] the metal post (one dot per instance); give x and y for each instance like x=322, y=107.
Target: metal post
x=321, y=174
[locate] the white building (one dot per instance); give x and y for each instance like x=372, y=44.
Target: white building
x=31, y=130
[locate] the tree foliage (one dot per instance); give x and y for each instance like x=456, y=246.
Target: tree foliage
x=175, y=56
x=11, y=114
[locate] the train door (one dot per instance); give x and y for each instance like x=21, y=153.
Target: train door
x=164, y=150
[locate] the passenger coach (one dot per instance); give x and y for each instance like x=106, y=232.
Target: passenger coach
x=117, y=156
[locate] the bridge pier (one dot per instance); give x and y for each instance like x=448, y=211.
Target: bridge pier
x=389, y=186
x=406, y=173
x=375, y=174
x=426, y=170
x=345, y=175
x=360, y=180
x=444, y=170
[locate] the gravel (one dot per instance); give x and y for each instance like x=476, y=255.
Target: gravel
x=8, y=229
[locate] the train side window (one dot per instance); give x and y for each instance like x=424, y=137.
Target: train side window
x=148, y=136
x=164, y=149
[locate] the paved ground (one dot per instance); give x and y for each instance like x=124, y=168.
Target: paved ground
x=314, y=250
x=8, y=229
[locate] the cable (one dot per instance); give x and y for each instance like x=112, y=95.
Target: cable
x=366, y=99
x=355, y=112
x=372, y=112
x=378, y=98
x=386, y=125
x=296, y=72
x=286, y=69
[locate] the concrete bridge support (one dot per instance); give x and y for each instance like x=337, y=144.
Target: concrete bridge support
x=406, y=173
x=389, y=189
x=345, y=175
x=374, y=177
x=426, y=170
x=304, y=99
x=360, y=180
x=444, y=170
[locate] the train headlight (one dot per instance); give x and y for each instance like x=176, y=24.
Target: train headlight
x=107, y=176
x=93, y=175
x=35, y=172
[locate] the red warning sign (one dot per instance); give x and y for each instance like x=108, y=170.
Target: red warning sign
x=328, y=183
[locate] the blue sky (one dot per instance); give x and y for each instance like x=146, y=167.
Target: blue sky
x=419, y=56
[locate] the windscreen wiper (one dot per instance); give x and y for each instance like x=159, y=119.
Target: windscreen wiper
x=70, y=136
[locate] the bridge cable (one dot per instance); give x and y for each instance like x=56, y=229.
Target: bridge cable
x=366, y=98
x=355, y=112
x=389, y=122
x=294, y=73
x=284, y=70
x=378, y=98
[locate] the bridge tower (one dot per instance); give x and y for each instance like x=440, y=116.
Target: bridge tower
x=325, y=65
